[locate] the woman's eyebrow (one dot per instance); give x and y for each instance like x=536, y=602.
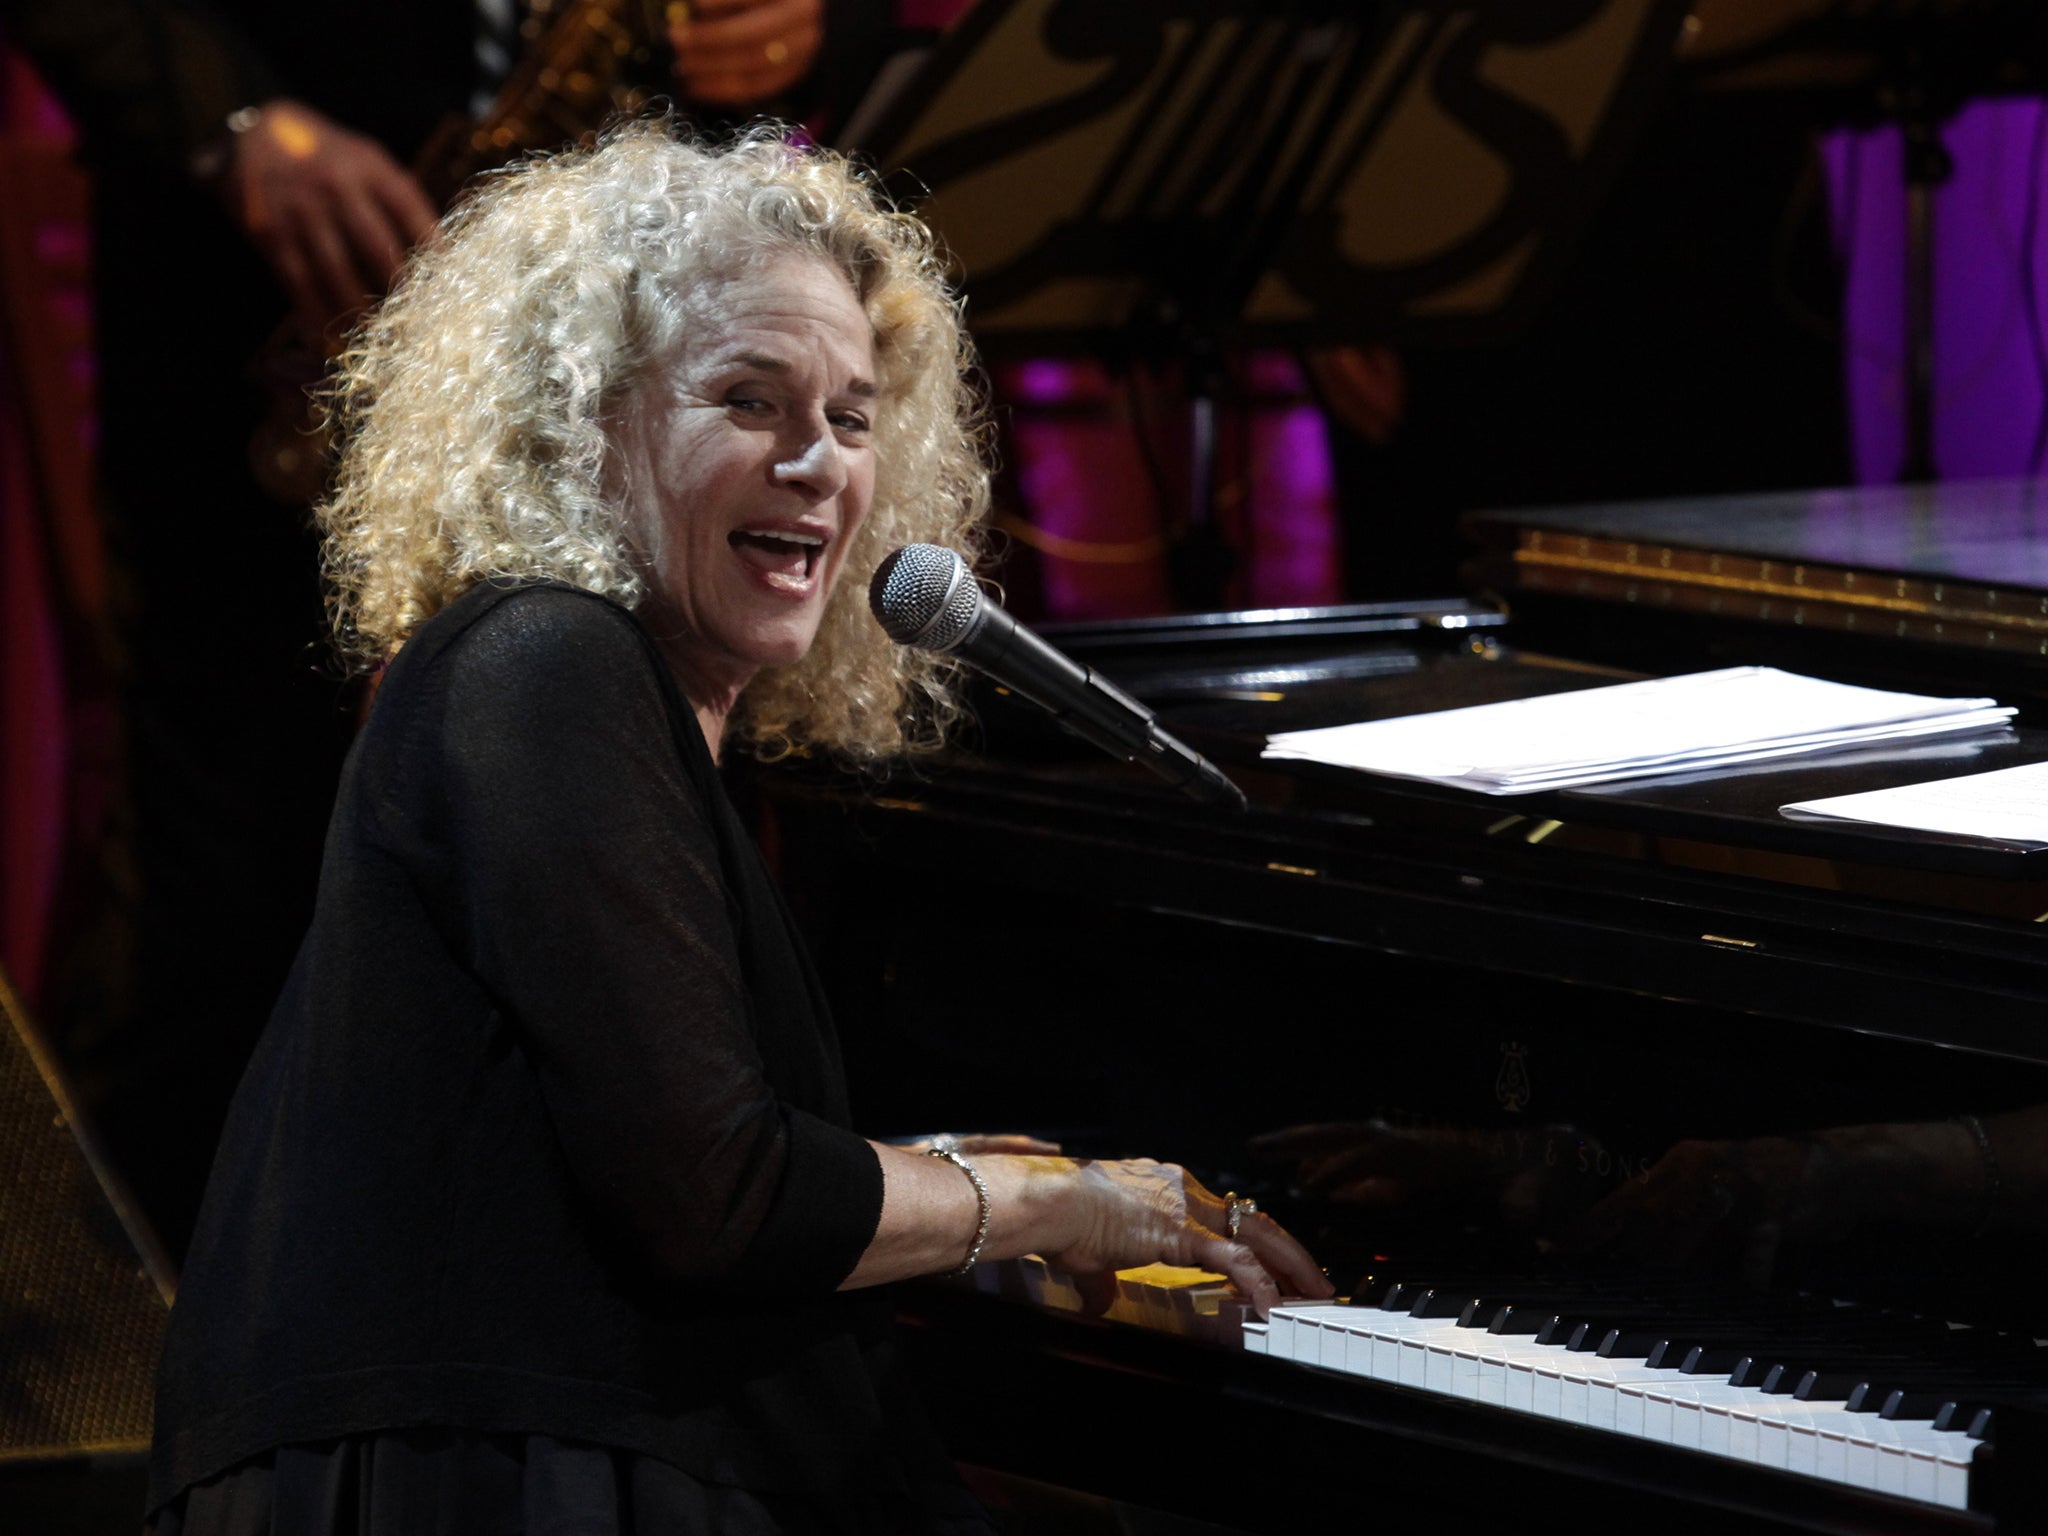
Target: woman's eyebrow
x=768, y=362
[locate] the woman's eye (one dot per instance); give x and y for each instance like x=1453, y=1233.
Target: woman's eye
x=748, y=404
x=850, y=421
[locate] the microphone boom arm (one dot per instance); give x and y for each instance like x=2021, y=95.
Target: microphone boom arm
x=924, y=595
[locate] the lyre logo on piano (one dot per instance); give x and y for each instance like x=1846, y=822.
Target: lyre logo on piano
x=1511, y=1087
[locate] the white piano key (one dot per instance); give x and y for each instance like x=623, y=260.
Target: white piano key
x=1401, y=1343
x=1780, y=1423
x=1279, y=1333
x=1457, y=1357
x=1574, y=1377
x=1742, y=1430
x=1603, y=1392
x=1859, y=1455
x=1831, y=1431
x=1466, y=1348
x=1631, y=1400
x=1306, y=1329
x=1336, y=1332
x=1688, y=1424
x=1921, y=1452
x=1774, y=1443
x=1442, y=1371
x=1952, y=1477
x=1716, y=1419
x=1358, y=1348
x=1817, y=1440
x=1491, y=1383
x=1508, y=1371
x=1280, y=1327
x=1518, y=1387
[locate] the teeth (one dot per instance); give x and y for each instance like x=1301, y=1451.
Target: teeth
x=807, y=540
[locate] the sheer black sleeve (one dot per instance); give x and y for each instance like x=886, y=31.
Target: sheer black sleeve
x=587, y=895
x=149, y=82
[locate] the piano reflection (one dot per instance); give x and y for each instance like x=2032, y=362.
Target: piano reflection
x=1681, y=1162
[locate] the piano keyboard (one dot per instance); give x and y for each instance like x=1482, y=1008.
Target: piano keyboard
x=1840, y=1394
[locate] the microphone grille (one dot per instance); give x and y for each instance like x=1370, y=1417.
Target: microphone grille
x=924, y=596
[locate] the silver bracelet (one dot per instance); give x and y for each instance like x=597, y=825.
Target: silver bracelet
x=209, y=162
x=952, y=1155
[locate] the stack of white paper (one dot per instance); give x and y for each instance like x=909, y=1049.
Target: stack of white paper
x=2009, y=806
x=1632, y=730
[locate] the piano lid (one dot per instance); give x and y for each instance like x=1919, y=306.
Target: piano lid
x=1693, y=887
x=1955, y=565
x=1989, y=533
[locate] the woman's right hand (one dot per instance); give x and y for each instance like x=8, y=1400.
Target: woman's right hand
x=1127, y=1214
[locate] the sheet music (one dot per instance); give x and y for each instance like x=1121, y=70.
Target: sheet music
x=2008, y=806
x=1632, y=730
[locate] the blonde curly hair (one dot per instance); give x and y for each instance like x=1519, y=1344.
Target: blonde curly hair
x=474, y=402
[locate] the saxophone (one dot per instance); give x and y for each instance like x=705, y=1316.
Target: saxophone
x=584, y=62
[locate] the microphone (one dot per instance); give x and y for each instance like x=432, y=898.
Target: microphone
x=924, y=595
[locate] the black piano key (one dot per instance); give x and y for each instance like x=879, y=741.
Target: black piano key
x=1506, y=1314
x=1976, y=1419
x=1441, y=1303
x=1520, y=1318
x=1400, y=1295
x=1481, y=1312
x=1914, y=1405
x=1831, y=1386
x=1918, y=1390
x=1630, y=1344
x=1669, y=1354
x=1702, y=1360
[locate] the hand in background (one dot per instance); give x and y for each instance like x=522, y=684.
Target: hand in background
x=1735, y=1205
x=328, y=208
x=735, y=53
x=1449, y=1173
x=1366, y=388
x=1723, y=1206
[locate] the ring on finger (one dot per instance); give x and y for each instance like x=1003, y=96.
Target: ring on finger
x=1236, y=1208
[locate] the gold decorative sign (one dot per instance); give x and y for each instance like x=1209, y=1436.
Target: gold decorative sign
x=1278, y=171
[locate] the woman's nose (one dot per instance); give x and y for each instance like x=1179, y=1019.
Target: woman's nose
x=815, y=465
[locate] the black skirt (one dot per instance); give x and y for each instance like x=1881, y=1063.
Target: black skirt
x=443, y=1482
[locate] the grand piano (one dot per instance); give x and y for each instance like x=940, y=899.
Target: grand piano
x=1646, y=1058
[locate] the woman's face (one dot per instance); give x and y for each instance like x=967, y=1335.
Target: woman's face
x=746, y=468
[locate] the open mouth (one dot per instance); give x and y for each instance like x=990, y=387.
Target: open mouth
x=793, y=557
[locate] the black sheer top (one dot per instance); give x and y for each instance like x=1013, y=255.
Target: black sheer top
x=548, y=1132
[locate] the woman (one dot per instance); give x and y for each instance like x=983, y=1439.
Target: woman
x=538, y=1208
